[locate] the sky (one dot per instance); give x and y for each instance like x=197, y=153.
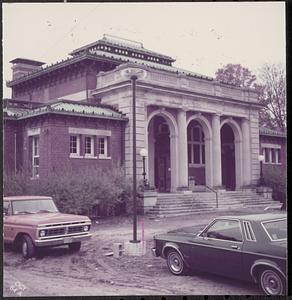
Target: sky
x=201, y=36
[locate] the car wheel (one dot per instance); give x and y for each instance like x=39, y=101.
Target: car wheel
x=175, y=263
x=28, y=248
x=75, y=247
x=272, y=283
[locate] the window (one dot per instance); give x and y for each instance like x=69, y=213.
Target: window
x=6, y=206
x=74, y=145
x=89, y=148
x=196, y=145
x=272, y=155
x=228, y=230
x=35, y=156
x=103, y=147
x=276, y=230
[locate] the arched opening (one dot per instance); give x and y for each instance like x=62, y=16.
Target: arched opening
x=228, y=157
x=196, y=153
x=159, y=145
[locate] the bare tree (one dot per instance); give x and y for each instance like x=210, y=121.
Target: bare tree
x=272, y=94
x=271, y=88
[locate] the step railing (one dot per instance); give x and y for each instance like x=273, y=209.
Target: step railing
x=216, y=193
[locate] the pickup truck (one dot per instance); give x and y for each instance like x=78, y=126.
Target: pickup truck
x=31, y=222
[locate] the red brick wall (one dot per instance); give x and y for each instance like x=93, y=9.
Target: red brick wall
x=54, y=143
x=277, y=141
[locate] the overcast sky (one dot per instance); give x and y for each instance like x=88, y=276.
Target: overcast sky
x=202, y=37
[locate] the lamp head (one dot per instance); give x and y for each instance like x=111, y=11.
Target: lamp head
x=144, y=152
x=261, y=157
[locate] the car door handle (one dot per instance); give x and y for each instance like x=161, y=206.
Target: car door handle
x=234, y=247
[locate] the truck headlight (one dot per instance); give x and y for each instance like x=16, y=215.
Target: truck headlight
x=42, y=233
x=86, y=228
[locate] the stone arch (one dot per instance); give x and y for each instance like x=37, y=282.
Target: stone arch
x=238, y=149
x=207, y=129
x=173, y=128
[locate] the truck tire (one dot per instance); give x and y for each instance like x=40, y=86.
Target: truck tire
x=28, y=248
x=75, y=247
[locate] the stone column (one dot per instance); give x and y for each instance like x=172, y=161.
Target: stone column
x=182, y=149
x=216, y=134
x=246, y=152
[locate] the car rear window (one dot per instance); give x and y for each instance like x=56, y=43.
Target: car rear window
x=276, y=230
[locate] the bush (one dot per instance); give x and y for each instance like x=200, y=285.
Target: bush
x=276, y=179
x=76, y=192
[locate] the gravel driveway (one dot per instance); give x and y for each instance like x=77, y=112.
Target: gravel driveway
x=57, y=272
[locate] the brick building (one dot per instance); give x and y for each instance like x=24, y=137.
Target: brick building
x=197, y=131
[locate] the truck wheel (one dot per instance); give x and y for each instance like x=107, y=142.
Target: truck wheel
x=28, y=248
x=176, y=264
x=272, y=283
x=75, y=247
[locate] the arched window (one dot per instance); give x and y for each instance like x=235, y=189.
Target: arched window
x=196, y=145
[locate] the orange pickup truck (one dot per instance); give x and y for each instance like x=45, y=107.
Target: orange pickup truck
x=34, y=221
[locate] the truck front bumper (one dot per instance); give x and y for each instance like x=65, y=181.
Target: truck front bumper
x=62, y=240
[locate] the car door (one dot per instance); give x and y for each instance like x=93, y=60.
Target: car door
x=218, y=249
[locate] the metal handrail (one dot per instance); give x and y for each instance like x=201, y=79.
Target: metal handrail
x=216, y=193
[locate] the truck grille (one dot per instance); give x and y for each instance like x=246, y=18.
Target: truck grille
x=75, y=229
x=55, y=231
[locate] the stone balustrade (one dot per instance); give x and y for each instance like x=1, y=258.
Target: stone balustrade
x=181, y=82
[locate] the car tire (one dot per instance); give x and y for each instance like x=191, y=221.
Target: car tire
x=28, y=248
x=74, y=247
x=175, y=263
x=272, y=282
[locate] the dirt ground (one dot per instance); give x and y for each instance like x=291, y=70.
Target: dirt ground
x=57, y=272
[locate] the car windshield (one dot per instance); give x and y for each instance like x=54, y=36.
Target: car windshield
x=33, y=206
x=277, y=230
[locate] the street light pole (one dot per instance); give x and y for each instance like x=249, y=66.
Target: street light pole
x=133, y=73
x=133, y=79
x=144, y=153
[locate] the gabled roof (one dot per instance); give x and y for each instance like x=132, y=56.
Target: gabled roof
x=272, y=132
x=65, y=107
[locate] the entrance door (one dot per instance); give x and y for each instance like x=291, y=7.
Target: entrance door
x=162, y=155
x=228, y=157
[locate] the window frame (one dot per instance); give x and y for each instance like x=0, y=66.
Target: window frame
x=77, y=154
x=268, y=151
x=91, y=154
x=35, y=151
x=223, y=240
x=193, y=143
x=106, y=152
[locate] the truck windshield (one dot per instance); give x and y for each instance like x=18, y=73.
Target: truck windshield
x=33, y=206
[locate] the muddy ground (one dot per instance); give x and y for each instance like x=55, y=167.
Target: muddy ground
x=57, y=272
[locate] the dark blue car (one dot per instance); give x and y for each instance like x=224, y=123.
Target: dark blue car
x=249, y=247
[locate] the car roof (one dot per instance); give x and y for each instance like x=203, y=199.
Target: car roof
x=20, y=198
x=258, y=217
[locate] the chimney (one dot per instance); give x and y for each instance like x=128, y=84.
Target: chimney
x=23, y=66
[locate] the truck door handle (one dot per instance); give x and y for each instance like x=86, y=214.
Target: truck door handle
x=234, y=247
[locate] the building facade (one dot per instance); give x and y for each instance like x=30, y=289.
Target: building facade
x=197, y=131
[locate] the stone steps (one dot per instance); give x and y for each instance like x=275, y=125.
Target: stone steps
x=200, y=202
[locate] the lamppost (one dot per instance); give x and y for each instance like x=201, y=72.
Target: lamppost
x=261, y=181
x=144, y=154
x=134, y=73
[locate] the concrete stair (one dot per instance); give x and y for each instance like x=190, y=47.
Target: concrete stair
x=199, y=202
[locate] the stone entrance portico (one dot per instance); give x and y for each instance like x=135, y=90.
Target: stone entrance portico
x=180, y=101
